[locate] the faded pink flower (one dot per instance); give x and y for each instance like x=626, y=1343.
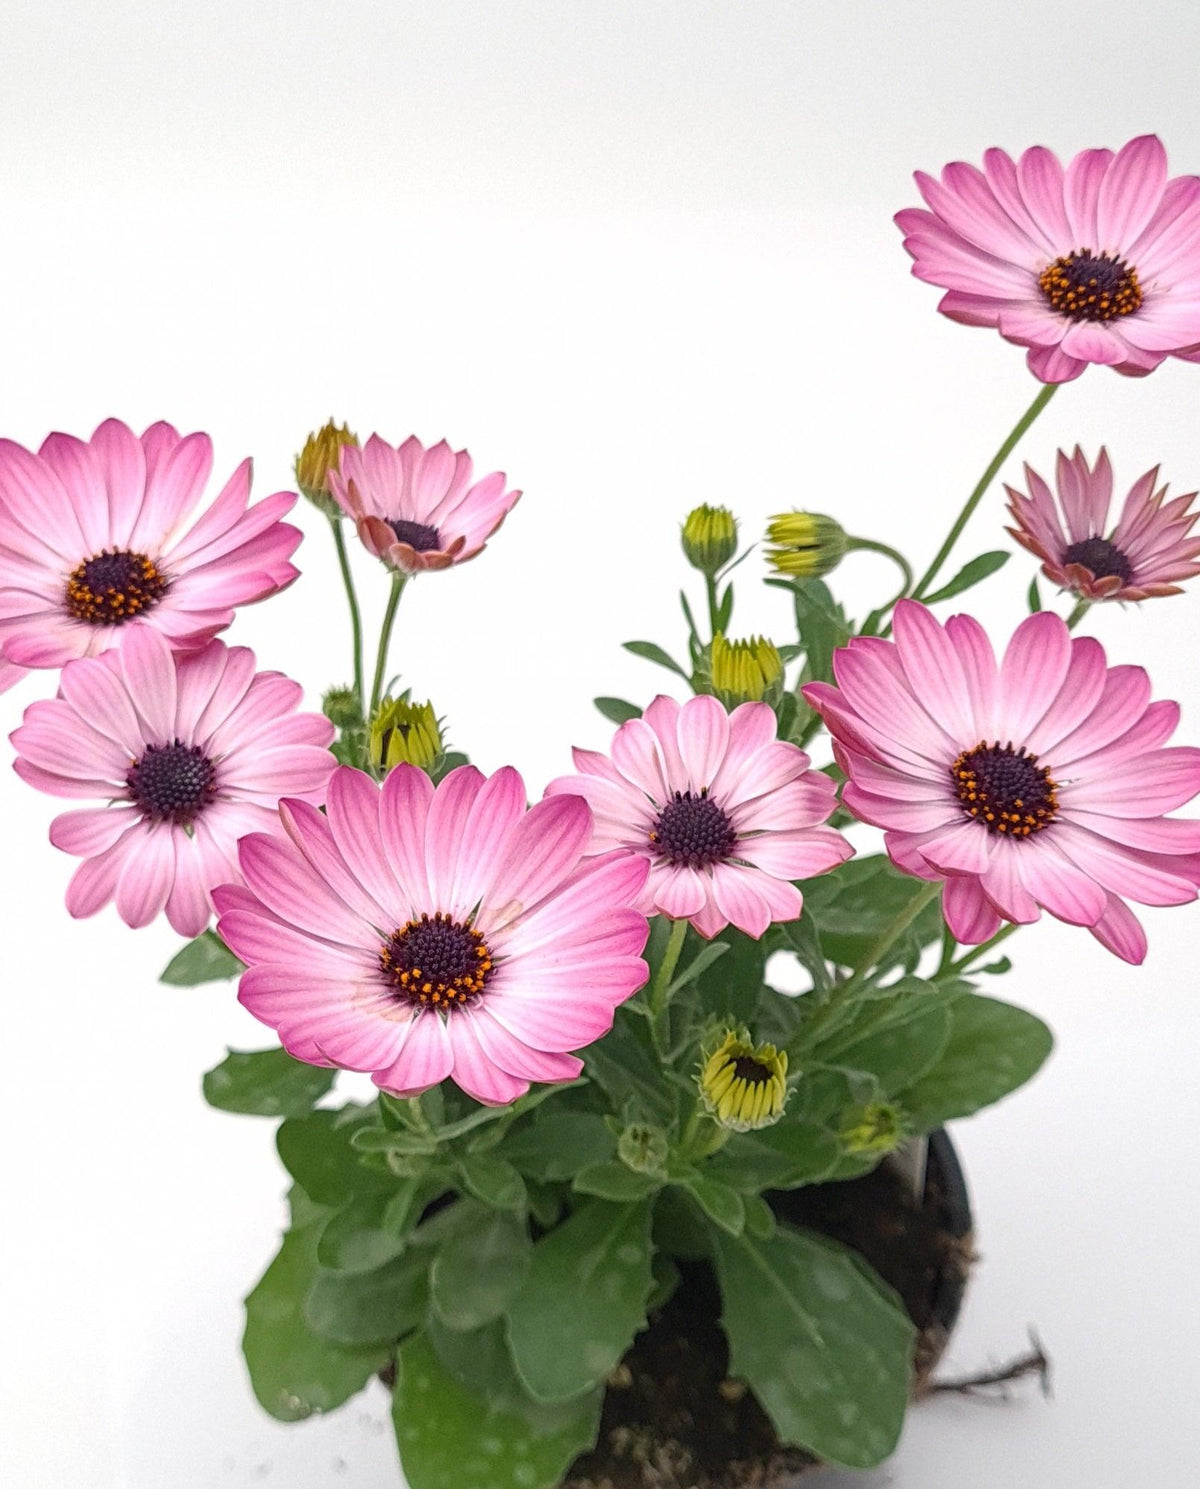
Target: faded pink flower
x=416, y=508
x=1097, y=262
x=96, y=541
x=188, y=752
x=1146, y=554
x=421, y=933
x=1036, y=784
x=725, y=814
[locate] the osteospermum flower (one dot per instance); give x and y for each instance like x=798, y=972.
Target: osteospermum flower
x=1038, y=783
x=96, y=541
x=416, y=508
x=725, y=814
x=1095, y=262
x=743, y=1086
x=187, y=752
x=1146, y=553
x=421, y=933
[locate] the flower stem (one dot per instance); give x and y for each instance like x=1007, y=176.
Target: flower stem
x=385, y=638
x=871, y=546
x=710, y=584
x=1076, y=615
x=1023, y=423
x=660, y=987
x=339, y=541
x=976, y=952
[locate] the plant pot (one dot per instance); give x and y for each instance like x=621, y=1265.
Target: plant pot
x=673, y=1420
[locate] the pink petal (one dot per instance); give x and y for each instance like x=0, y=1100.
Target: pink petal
x=147, y=876
x=969, y=914
x=703, y=735
x=426, y=1058
x=403, y=809
x=542, y=849
x=1120, y=932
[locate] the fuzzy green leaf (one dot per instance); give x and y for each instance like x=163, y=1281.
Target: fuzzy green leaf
x=649, y=652
x=900, y=1053
x=493, y=1180
x=970, y=574
x=358, y=1308
x=316, y=1150
x=617, y=709
x=720, y=1202
x=614, y=1181
x=206, y=959
x=476, y=1274
x=555, y=1145
x=266, y=1083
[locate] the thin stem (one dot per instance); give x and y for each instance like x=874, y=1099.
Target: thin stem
x=660, y=987
x=1081, y=609
x=339, y=540
x=710, y=585
x=1023, y=423
x=978, y=952
x=385, y=639
x=871, y=546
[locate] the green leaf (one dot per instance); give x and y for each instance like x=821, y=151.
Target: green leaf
x=555, y=1145
x=899, y=1054
x=616, y=1182
x=971, y=574
x=826, y=1351
x=993, y=1049
x=725, y=609
x=721, y=1203
x=357, y=1308
x=206, y=959
x=791, y=1153
x=625, y=1066
x=493, y=1180
x=617, y=709
x=859, y=900
x=372, y=1228
x=822, y=626
x=804, y=939
x=652, y=653
x=316, y=1150
x=450, y=1438
x=476, y=1274
x=293, y=1370
x=1034, y=596
x=266, y=1083
x=583, y=1300
x=760, y=1218
x=729, y=988
x=709, y=953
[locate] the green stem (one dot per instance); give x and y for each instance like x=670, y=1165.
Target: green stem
x=1023, y=423
x=339, y=540
x=385, y=639
x=871, y=546
x=1076, y=615
x=710, y=585
x=660, y=987
x=978, y=952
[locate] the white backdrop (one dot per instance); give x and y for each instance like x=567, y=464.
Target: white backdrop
x=640, y=255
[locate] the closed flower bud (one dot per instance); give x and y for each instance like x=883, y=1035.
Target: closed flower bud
x=877, y=1127
x=748, y=671
x=321, y=453
x=744, y=1086
x=709, y=537
x=405, y=733
x=807, y=545
x=341, y=707
x=643, y=1149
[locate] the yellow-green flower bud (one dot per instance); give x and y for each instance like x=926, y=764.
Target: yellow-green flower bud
x=877, y=1127
x=341, y=707
x=744, y=1086
x=405, y=733
x=748, y=671
x=709, y=537
x=807, y=545
x=321, y=452
x=643, y=1149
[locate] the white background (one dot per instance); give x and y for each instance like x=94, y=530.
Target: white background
x=640, y=255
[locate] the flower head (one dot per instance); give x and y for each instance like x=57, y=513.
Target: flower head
x=748, y=671
x=403, y=732
x=709, y=537
x=743, y=1086
x=319, y=456
x=187, y=752
x=1095, y=262
x=342, y=706
x=1145, y=554
x=725, y=814
x=421, y=933
x=1038, y=783
x=95, y=543
x=807, y=545
x=416, y=508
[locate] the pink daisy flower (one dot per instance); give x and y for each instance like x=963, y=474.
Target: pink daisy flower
x=95, y=541
x=1097, y=262
x=421, y=933
x=415, y=508
x=724, y=814
x=1038, y=783
x=1145, y=554
x=188, y=752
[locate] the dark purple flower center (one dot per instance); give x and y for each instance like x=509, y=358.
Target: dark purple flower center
x=418, y=535
x=1103, y=558
x=172, y=783
x=114, y=586
x=1005, y=789
x=693, y=830
x=1087, y=286
x=752, y=1071
x=436, y=962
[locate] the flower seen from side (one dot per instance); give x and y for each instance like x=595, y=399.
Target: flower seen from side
x=743, y=1086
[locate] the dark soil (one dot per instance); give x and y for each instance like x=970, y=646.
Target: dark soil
x=672, y=1417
